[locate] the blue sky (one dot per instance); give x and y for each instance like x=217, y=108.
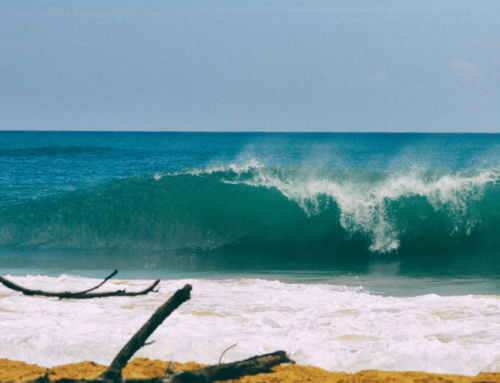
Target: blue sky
x=394, y=66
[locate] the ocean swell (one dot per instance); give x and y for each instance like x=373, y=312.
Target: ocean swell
x=256, y=216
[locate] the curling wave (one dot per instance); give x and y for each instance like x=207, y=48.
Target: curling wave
x=260, y=216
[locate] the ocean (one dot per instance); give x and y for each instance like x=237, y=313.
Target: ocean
x=349, y=251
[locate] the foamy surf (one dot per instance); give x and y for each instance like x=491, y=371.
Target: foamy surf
x=339, y=328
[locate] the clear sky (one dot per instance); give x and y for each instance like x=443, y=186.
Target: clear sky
x=394, y=66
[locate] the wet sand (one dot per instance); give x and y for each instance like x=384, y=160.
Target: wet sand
x=12, y=371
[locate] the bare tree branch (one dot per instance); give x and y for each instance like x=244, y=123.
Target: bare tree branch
x=257, y=365
x=100, y=284
x=78, y=295
x=114, y=371
x=226, y=350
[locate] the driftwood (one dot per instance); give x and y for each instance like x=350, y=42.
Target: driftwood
x=257, y=365
x=139, y=339
x=220, y=372
x=81, y=294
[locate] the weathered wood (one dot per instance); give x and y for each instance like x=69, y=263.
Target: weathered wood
x=257, y=365
x=261, y=364
x=114, y=371
x=81, y=294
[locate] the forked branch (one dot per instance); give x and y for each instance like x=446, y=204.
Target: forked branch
x=81, y=294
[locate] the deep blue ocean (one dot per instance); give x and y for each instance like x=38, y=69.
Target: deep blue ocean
x=303, y=205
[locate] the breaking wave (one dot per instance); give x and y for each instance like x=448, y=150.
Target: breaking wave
x=261, y=216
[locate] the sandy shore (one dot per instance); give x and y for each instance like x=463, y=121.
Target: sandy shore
x=145, y=368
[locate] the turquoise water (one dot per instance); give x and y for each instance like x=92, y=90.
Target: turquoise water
x=408, y=206
x=349, y=251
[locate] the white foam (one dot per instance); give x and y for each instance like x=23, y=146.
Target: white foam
x=333, y=327
x=237, y=169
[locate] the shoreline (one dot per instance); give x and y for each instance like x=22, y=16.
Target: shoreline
x=143, y=368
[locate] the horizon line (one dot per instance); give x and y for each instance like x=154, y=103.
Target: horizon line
x=232, y=132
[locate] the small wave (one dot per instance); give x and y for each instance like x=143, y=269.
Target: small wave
x=56, y=151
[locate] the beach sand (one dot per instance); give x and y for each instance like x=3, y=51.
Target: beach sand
x=144, y=368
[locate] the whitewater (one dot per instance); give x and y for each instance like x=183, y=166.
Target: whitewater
x=338, y=328
x=348, y=251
